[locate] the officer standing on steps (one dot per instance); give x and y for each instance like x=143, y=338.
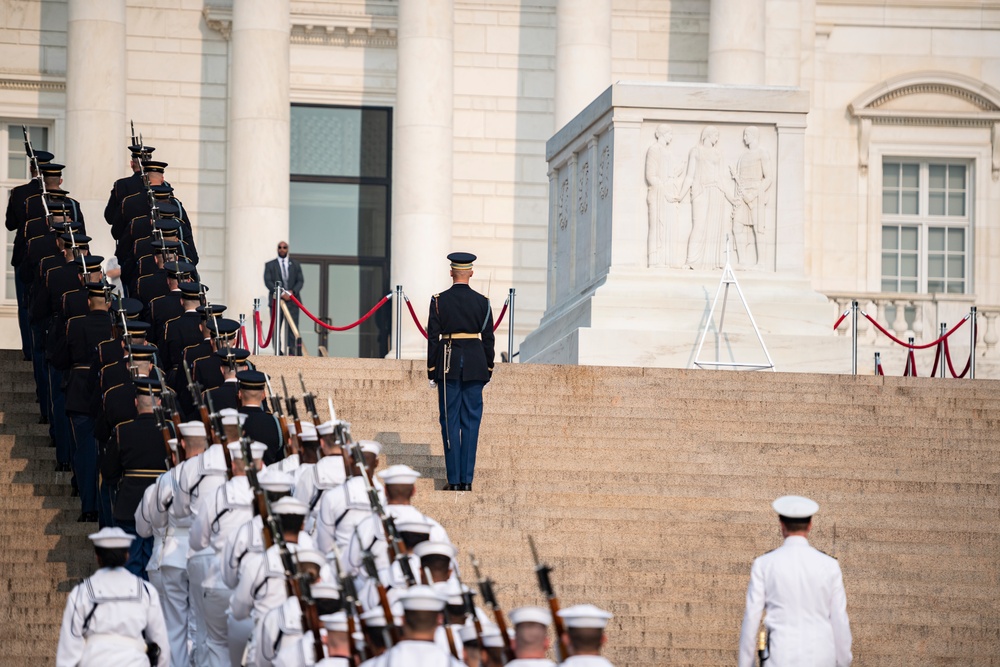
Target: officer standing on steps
x=802, y=590
x=460, y=363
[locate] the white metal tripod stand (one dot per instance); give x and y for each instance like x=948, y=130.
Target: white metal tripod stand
x=729, y=278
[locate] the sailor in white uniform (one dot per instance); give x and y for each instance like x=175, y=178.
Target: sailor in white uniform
x=802, y=591
x=338, y=647
x=344, y=507
x=249, y=537
x=585, y=636
x=112, y=617
x=531, y=637
x=422, y=614
x=281, y=641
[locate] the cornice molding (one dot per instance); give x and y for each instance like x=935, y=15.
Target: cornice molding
x=341, y=27
x=35, y=84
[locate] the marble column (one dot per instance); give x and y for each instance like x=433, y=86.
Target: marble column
x=422, y=158
x=96, y=130
x=736, y=42
x=784, y=42
x=259, y=136
x=583, y=55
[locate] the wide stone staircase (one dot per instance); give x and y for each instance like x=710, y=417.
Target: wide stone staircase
x=649, y=492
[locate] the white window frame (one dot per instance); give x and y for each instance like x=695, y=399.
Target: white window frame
x=924, y=221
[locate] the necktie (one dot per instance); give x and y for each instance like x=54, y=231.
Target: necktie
x=284, y=271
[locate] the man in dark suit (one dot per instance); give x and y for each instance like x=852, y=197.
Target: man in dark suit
x=460, y=347
x=288, y=272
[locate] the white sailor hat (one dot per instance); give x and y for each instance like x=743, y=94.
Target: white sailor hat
x=414, y=526
x=275, y=480
x=530, y=615
x=399, y=474
x=257, y=449
x=231, y=417
x=450, y=590
x=421, y=598
x=795, y=507
x=111, y=538
x=307, y=555
x=289, y=505
x=326, y=428
x=491, y=636
x=370, y=447
x=308, y=432
x=324, y=590
x=172, y=443
x=585, y=616
x=468, y=633
x=193, y=430
x=375, y=617
x=433, y=549
x=336, y=622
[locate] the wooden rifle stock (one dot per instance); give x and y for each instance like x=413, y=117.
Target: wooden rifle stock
x=161, y=423
x=542, y=571
x=490, y=600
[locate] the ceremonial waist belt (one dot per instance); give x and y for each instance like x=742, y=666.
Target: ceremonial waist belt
x=77, y=367
x=460, y=336
x=118, y=640
x=148, y=474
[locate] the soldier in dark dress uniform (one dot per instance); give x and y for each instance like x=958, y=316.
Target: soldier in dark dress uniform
x=260, y=425
x=129, y=185
x=460, y=362
x=233, y=360
x=134, y=459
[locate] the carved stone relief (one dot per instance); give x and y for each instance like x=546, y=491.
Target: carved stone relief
x=583, y=187
x=564, y=204
x=663, y=171
x=604, y=173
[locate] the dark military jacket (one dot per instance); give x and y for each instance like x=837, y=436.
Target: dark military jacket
x=223, y=396
x=77, y=352
x=264, y=427
x=151, y=286
x=122, y=188
x=16, y=216
x=162, y=309
x=135, y=457
x=463, y=311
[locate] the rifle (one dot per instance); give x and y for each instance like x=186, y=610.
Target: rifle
x=352, y=606
x=310, y=402
x=394, y=542
x=447, y=621
x=368, y=561
x=164, y=433
x=297, y=584
x=194, y=388
x=127, y=337
x=38, y=174
x=170, y=410
x=470, y=606
x=275, y=403
x=542, y=571
x=219, y=436
x=293, y=412
x=490, y=600
x=134, y=138
x=341, y=435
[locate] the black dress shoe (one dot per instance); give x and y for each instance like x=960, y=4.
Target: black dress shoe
x=43, y=419
x=465, y=487
x=448, y=487
x=88, y=517
x=62, y=467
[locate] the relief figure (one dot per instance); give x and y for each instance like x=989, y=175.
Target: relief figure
x=753, y=178
x=663, y=173
x=704, y=180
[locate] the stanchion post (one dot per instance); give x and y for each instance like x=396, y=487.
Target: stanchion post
x=510, y=326
x=243, y=329
x=911, y=361
x=878, y=362
x=972, y=344
x=942, y=361
x=278, y=329
x=256, y=333
x=398, y=343
x=854, y=337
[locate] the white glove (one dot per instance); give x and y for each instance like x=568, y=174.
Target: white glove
x=432, y=384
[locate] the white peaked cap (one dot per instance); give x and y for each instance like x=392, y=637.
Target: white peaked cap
x=308, y=431
x=289, y=505
x=434, y=549
x=309, y=556
x=324, y=590
x=193, y=430
x=374, y=617
x=468, y=632
x=421, y=527
x=421, y=598
x=491, y=636
x=326, y=428
x=370, y=447
x=275, y=480
x=111, y=538
x=530, y=615
x=585, y=616
x=336, y=622
x=231, y=417
x=795, y=507
x=257, y=449
x=399, y=474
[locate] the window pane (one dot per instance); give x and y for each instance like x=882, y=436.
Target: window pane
x=937, y=176
x=352, y=290
x=890, y=175
x=935, y=266
x=910, y=200
x=935, y=286
x=935, y=203
x=908, y=266
x=329, y=141
x=910, y=240
x=889, y=286
x=956, y=266
x=908, y=286
x=935, y=239
x=956, y=287
x=956, y=177
x=956, y=239
x=956, y=203
x=338, y=219
x=890, y=238
x=890, y=203
x=890, y=265
x=911, y=175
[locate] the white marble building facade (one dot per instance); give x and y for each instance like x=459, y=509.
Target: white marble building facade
x=477, y=88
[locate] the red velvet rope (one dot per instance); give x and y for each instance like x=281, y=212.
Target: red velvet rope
x=911, y=365
x=841, y=319
x=878, y=369
x=416, y=320
x=503, y=311
x=330, y=327
x=915, y=347
x=242, y=340
x=937, y=360
x=947, y=356
x=270, y=330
